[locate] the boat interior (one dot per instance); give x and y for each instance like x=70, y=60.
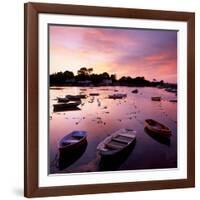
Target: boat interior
x=119, y=142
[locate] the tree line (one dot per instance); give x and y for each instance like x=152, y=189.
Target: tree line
x=86, y=76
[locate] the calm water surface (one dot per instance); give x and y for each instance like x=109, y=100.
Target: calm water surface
x=100, y=117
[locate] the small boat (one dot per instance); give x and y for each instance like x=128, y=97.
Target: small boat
x=66, y=106
x=82, y=96
x=62, y=99
x=83, y=89
x=72, y=141
x=156, y=98
x=135, y=91
x=117, y=96
x=116, y=143
x=76, y=97
x=157, y=127
x=173, y=100
x=94, y=94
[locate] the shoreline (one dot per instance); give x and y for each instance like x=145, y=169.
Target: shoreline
x=88, y=86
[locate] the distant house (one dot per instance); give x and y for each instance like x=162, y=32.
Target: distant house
x=106, y=82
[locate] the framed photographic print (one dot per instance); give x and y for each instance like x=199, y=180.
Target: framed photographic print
x=109, y=99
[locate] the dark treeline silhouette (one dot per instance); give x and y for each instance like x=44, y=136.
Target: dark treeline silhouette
x=85, y=77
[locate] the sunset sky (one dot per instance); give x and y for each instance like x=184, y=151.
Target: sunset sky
x=124, y=52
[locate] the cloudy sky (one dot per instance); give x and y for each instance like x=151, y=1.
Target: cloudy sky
x=124, y=52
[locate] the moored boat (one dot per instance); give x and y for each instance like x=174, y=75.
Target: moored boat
x=72, y=141
x=135, y=91
x=94, y=94
x=156, y=98
x=62, y=99
x=76, y=97
x=66, y=106
x=117, y=96
x=157, y=127
x=116, y=143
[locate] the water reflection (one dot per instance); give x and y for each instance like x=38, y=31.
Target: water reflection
x=159, y=138
x=101, y=116
x=66, y=158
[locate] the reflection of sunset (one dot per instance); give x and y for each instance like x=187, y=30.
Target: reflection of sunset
x=124, y=52
x=102, y=120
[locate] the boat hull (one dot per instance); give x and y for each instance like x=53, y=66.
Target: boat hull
x=68, y=156
x=156, y=98
x=70, y=147
x=117, y=96
x=66, y=106
x=73, y=147
x=75, y=97
x=135, y=91
x=94, y=94
x=63, y=100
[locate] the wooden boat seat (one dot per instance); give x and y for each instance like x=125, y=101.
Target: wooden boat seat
x=114, y=145
x=125, y=141
x=127, y=135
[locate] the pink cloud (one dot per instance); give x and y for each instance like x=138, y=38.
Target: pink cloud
x=126, y=52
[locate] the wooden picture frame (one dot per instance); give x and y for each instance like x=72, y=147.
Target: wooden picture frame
x=31, y=107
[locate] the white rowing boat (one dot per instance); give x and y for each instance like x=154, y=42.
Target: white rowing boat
x=116, y=143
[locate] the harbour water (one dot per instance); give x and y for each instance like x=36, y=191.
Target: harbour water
x=101, y=116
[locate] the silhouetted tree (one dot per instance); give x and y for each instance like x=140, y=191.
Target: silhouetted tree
x=57, y=78
x=105, y=75
x=90, y=70
x=68, y=75
x=113, y=77
x=83, y=71
x=161, y=82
